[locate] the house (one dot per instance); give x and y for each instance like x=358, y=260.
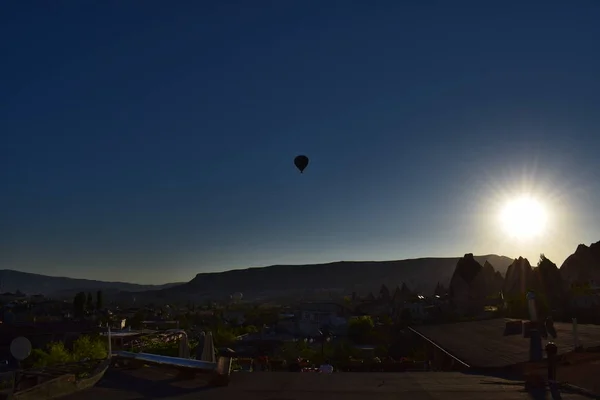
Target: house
x=385, y=305
x=375, y=308
x=418, y=307
x=312, y=317
x=264, y=342
x=234, y=317
x=9, y=297
x=586, y=300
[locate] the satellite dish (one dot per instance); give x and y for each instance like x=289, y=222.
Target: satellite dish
x=20, y=348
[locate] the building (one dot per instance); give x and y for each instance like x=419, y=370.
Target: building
x=312, y=317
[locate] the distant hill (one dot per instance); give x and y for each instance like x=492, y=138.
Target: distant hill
x=420, y=274
x=11, y=281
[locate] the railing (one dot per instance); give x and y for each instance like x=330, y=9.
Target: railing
x=464, y=364
x=220, y=370
x=166, y=360
x=56, y=381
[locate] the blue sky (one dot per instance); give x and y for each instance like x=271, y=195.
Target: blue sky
x=147, y=142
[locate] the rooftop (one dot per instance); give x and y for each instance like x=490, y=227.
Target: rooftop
x=483, y=344
x=151, y=382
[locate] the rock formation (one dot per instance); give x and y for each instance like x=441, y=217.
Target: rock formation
x=405, y=291
x=582, y=266
x=493, y=278
x=384, y=293
x=548, y=281
x=471, y=284
x=518, y=279
x=440, y=290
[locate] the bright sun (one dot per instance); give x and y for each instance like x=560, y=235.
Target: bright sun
x=524, y=218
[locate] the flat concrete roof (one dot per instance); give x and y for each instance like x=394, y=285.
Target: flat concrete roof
x=154, y=383
x=483, y=344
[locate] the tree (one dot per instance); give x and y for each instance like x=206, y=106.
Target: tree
x=79, y=305
x=57, y=354
x=89, y=305
x=136, y=321
x=360, y=328
x=406, y=316
x=260, y=317
x=99, y=300
x=384, y=292
x=224, y=337
x=517, y=307
x=84, y=348
x=293, y=350
x=386, y=320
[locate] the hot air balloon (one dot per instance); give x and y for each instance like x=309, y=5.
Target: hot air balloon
x=301, y=162
x=237, y=296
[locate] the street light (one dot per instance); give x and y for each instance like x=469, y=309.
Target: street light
x=325, y=336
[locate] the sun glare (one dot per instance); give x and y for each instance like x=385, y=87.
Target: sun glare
x=524, y=218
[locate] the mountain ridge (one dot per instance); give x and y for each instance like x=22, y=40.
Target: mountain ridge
x=33, y=283
x=347, y=262
x=418, y=273
x=421, y=274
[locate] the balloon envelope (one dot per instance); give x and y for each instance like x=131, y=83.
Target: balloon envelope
x=237, y=296
x=301, y=162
